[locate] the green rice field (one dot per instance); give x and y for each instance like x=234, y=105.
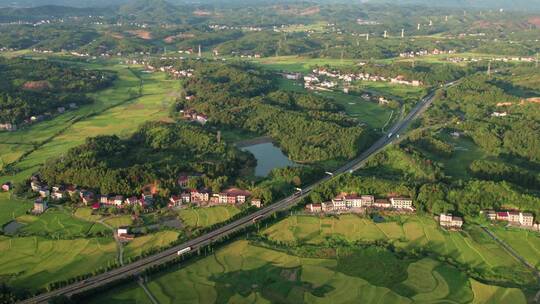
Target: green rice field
x=245, y=273
x=472, y=248
x=115, y=111
x=205, y=217
x=11, y=208
x=34, y=262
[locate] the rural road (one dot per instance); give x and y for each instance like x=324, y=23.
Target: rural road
x=137, y=267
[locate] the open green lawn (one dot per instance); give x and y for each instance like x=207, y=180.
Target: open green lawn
x=525, y=243
x=205, y=217
x=151, y=241
x=113, y=112
x=34, y=262
x=412, y=232
x=244, y=273
x=58, y=224
x=11, y=208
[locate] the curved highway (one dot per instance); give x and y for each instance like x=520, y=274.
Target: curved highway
x=171, y=253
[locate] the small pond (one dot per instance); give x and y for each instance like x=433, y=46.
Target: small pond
x=268, y=157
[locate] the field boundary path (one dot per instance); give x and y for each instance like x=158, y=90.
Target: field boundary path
x=517, y=256
x=142, y=282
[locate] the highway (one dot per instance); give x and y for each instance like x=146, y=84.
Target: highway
x=171, y=253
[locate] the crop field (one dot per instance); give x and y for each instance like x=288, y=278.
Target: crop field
x=244, y=273
x=395, y=91
x=205, y=217
x=150, y=241
x=474, y=249
x=11, y=208
x=129, y=293
x=525, y=243
x=300, y=64
x=369, y=113
x=86, y=214
x=119, y=221
x=489, y=294
x=58, y=224
x=115, y=111
x=33, y=262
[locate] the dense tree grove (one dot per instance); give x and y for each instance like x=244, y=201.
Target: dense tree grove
x=477, y=100
x=308, y=127
x=157, y=153
x=33, y=87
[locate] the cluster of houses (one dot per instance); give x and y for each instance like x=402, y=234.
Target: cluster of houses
x=11, y=127
x=193, y=115
x=204, y=197
x=349, y=77
x=241, y=28
x=420, y=53
x=87, y=197
x=345, y=202
x=449, y=221
x=514, y=218
x=500, y=59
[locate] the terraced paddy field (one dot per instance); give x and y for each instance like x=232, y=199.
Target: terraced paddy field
x=34, y=262
x=245, y=273
x=11, y=208
x=301, y=64
x=525, y=243
x=116, y=110
x=205, y=217
x=119, y=221
x=55, y=223
x=151, y=241
x=472, y=247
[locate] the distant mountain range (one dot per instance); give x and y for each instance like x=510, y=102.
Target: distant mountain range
x=527, y=5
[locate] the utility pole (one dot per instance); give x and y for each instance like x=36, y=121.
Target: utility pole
x=367, y=37
x=402, y=33
x=489, y=68
x=418, y=27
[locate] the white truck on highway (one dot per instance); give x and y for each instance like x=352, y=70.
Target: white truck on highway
x=182, y=251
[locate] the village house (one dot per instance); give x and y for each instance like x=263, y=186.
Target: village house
x=201, y=196
x=186, y=197
x=401, y=203
x=40, y=206
x=513, y=217
x=44, y=192
x=6, y=186
x=8, y=127
x=316, y=208
x=449, y=221
x=146, y=200
x=382, y=203
x=175, y=201
x=256, y=202
x=131, y=201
